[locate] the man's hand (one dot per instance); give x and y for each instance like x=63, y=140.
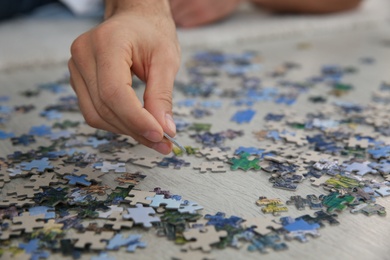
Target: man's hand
x=191, y=13
x=138, y=36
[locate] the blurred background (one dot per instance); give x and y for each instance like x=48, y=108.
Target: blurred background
x=43, y=37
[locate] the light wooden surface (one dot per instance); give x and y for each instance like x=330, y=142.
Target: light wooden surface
x=235, y=192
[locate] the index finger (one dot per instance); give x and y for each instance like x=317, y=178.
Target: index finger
x=115, y=90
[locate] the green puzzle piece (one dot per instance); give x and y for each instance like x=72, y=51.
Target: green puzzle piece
x=335, y=201
x=244, y=163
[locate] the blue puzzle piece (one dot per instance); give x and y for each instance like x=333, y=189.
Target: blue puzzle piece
x=274, y=135
x=38, y=210
x=51, y=114
x=31, y=246
x=250, y=150
x=181, y=124
x=5, y=110
x=94, y=142
x=187, y=103
x=286, y=99
x=4, y=98
x=53, y=87
x=131, y=242
x=211, y=104
x=103, y=256
x=160, y=200
x=380, y=152
x=74, y=180
x=41, y=130
x=37, y=255
x=291, y=224
x=23, y=140
x=243, y=116
x=41, y=165
x=174, y=161
x=5, y=135
x=273, y=117
x=219, y=221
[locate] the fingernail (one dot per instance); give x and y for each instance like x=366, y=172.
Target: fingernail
x=170, y=123
x=153, y=136
x=163, y=148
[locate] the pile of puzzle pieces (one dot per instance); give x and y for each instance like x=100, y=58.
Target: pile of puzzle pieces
x=58, y=199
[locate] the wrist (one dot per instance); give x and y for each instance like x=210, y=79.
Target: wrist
x=142, y=6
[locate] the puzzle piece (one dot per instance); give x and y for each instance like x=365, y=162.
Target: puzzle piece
x=40, y=181
x=271, y=205
x=244, y=163
x=142, y=215
x=314, y=202
x=317, y=182
x=313, y=157
x=159, y=200
x=286, y=182
x=204, y=237
x=27, y=222
x=380, y=152
x=116, y=221
x=112, y=209
x=102, y=256
x=212, y=153
x=341, y=182
x=23, y=140
x=94, y=142
x=297, y=138
x=48, y=212
x=298, y=201
x=92, y=240
x=174, y=161
x=131, y=242
x=40, y=165
x=77, y=180
x=369, y=209
x=299, y=229
x=243, y=116
x=261, y=243
x=260, y=225
x=334, y=201
x=320, y=217
x=249, y=150
x=149, y=162
x=190, y=207
x=130, y=179
x=17, y=202
x=214, y=167
x=139, y=196
x=109, y=166
x=186, y=254
x=384, y=191
x=360, y=168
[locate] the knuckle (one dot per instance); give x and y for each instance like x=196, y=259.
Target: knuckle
x=105, y=112
x=76, y=49
x=108, y=95
x=163, y=96
x=92, y=119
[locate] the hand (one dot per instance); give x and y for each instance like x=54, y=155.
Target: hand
x=191, y=13
x=136, y=38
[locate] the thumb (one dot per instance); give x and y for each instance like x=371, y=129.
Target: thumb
x=158, y=94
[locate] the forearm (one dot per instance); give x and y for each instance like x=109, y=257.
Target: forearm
x=155, y=6
x=308, y=6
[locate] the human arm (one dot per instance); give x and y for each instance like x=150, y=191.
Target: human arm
x=192, y=13
x=307, y=6
x=137, y=36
